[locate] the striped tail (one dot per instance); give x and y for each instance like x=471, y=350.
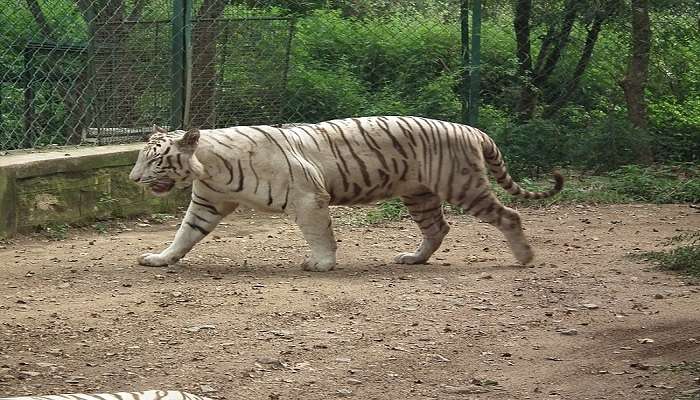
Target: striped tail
x=497, y=166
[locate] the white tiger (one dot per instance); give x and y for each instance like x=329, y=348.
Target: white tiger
x=302, y=169
x=145, y=395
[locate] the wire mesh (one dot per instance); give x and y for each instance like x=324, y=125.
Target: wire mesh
x=102, y=71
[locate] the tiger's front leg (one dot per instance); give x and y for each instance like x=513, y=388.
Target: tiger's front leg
x=201, y=218
x=313, y=217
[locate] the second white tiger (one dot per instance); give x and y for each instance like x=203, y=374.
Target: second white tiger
x=301, y=170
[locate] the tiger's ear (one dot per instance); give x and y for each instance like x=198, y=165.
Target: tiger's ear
x=158, y=129
x=189, y=140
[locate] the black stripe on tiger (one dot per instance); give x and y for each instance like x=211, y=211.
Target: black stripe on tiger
x=360, y=162
x=279, y=146
x=406, y=130
x=202, y=202
x=198, y=228
x=383, y=124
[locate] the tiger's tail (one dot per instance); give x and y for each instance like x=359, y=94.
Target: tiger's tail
x=495, y=163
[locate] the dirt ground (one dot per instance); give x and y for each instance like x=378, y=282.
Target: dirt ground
x=238, y=318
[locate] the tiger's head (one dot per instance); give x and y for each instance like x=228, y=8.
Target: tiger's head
x=167, y=161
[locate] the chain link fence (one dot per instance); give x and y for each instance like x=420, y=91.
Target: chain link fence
x=103, y=71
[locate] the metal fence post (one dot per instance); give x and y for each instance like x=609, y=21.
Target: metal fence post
x=475, y=64
x=181, y=62
x=464, y=87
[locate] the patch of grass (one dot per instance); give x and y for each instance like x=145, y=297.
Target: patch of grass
x=690, y=367
x=101, y=227
x=676, y=183
x=160, y=218
x=55, y=231
x=684, y=258
x=389, y=210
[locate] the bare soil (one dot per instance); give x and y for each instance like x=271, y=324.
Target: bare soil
x=238, y=319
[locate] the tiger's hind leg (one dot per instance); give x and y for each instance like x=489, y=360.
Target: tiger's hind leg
x=426, y=211
x=486, y=206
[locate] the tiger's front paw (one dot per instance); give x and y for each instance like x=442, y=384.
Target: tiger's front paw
x=311, y=264
x=153, y=260
x=410, y=258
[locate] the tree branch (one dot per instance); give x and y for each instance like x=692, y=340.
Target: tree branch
x=581, y=65
x=40, y=18
x=561, y=40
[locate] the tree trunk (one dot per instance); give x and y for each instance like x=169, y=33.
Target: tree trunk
x=527, y=101
x=634, y=82
x=116, y=81
x=205, y=33
x=551, y=48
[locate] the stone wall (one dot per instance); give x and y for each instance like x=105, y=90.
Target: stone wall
x=77, y=185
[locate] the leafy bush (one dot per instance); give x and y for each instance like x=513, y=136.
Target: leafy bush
x=676, y=128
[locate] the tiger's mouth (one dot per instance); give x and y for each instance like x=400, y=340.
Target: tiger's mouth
x=162, y=186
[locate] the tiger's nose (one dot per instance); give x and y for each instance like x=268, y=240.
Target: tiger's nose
x=135, y=176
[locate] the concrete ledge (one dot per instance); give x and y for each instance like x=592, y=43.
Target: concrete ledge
x=74, y=185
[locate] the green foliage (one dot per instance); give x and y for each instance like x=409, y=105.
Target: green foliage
x=675, y=125
x=389, y=210
x=662, y=184
x=55, y=231
x=101, y=227
x=684, y=258
x=404, y=64
x=675, y=183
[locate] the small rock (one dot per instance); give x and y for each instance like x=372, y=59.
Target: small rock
x=45, y=364
x=29, y=373
x=354, y=381
x=199, y=328
x=658, y=296
x=207, y=389
x=440, y=358
x=268, y=360
x=640, y=366
x=343, y=359
x=645, y=340
x=343, y=392
x=590, y=306
x=568, y=332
